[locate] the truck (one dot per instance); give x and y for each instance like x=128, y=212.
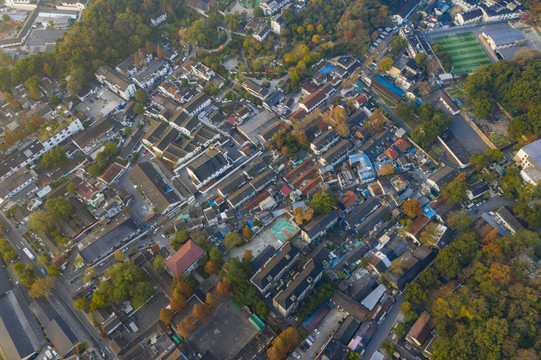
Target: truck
x=29, y=254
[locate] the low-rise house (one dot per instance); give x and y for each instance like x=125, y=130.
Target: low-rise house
x=271, y=7
x=116, y=82
x=449, y=103
x=337, y=153
x=19, y=182
x=313, y=101
x=271, y=273
x=197, y=104
x=529, y=158
x=416, y=228
x=185, y=260
x=420, y=330
x=365, y=170
x=150, y=75
x=277, y=23
x=157, y=191
x=240, y=196
x=207, y=166
x=441, y=177
x=506, y=218
x=469, y=17
x=202, y=71
x=94, y=136
x=323, y=142
x=319, y=226
x=477, y=189
x=298, y=289
x=262, y=33
x=256, y=90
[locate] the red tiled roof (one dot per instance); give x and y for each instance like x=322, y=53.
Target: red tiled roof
x=286, y=189
x=415, y=227
x=402, y=145
x=348, y=199
x=180, y=261
x=391, y=153
x=298, y=115
x=361, y=99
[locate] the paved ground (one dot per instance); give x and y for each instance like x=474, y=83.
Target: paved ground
x=327, y=328
x=383, y=329
x=224, y=333
x=100, y=104
x=258, y=243
x=256, y=124
x=491, y=204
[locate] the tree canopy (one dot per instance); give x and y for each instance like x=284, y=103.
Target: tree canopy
x=54, y=158
x=323, y=202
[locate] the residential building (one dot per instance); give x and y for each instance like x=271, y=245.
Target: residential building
x=469, y=17
x=26, y=5
x=504, y=38
x=319, y=226
x=116, y=82
x=94, y=136
x=420, y=330
x=373, y=298
x=466, y=5
x=197, y=104
x=133, y=63
x=25, y=155
x=150, y=75
x=160, y=194
x=262, y=33
x=207, y=166
x=508, y=221
x=449, y=103
x=68, y=131
x=240, y=196
x=16, y=184
x=404, y=10
x=271, y=273
x=256, y=90
x=441, y=177
x=184, y=261
x=499, y=12
x=70, y=5
x=323, y=142
x=298, y=289
x=313, y=101
x=336, y=154
x=271, y=7
x=477, y=189
x=202, y=71
x=365, y=170
x=158, y=19
x=184, y=123
x=277, y=23
x=529, y=159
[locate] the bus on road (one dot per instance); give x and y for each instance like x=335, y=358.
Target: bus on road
x=29, y=254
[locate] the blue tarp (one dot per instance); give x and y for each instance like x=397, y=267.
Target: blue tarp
x=398, y=91
x=326, y=69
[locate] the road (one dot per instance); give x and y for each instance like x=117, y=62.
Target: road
x=383, y=329
x=59, y=297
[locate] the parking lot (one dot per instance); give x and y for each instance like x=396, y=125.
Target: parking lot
x=100, y=104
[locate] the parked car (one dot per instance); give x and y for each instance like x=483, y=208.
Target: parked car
x=316, y=331
x=295, y=355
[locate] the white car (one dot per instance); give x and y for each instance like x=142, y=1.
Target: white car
x=316, y=331
x=295, y=355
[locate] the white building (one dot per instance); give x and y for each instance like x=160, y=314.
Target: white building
x=70, y=5
x=504, y=38
x=157, y=20
x=73, y=128
x=529, y=158
x=116, y=82
x=21, y=4
x=271, y=7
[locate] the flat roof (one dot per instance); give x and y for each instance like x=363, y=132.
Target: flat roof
x=504, y=36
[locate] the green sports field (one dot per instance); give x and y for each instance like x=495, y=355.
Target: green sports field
x=465, y=51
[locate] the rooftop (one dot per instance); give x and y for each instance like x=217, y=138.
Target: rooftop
x=160, y=194
x=180, y=261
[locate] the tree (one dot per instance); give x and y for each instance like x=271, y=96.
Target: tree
x=223, y=288
x=430, y=234
x=420, y=58
x=412, y=208
x=40, y=221
x=232, y=239
x=181, y=237
x=212, y=267
x=315, y=39
x=59, y=208
x=53, y=270
x=201, y=312
x=24, y=273
x=211, y=301
x=398, y=266
x=491, y=236
x=166, y=315
x=216, y=255
x=386, y=64
x=54, y=158
x=141, y=96
x=178, y=302
x=119, y=256
x=71, y=187
x=458, y=220
x=248, y=256
x=89, y=274
x=41, y=287
x=388, y=347
x=387, y=169
x=258, y=12
x=247, y=232
x=80, y=303
x=138, y=109
x=158, y=264
x=283, y=344
x=415, y=293
x=185, y=328
x=303, y=216
x=43, y=260
x=149, y=47
x=323, y=202
x=454, y=192
x=184, y=289
x=376, y=123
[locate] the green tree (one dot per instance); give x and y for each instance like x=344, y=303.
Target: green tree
x=412, y=208
x=141, y=96
x=181, y=237
x=41, y=287
x=323, y=202
x=158, y=263
x=138, y=109
x=24, y=273
x=454, y=192
x=386, y=64
x=420, y=59
x=258, y=12
x=54, y=158
x=232, y=239
x=80, y=303
x=71, y=187
x=41, y=221
x=59, y=207
x=53, y=270
x=43, y=260
x=459, y=220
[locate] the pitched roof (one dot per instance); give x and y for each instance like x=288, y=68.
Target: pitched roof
x=298, y=285
x=180, y=261
x=92, y=133
x=275, y=265
x=313, y=99
x=110, y=173
x=421, y=328
x=151, y=183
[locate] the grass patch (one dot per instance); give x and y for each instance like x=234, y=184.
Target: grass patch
x=466, y=53
x=437, y=150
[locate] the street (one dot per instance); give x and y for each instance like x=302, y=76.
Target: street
x=60, y=296
x=383, y=329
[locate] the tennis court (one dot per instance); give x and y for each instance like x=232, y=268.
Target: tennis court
x=466, y=53
x=284, y=230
